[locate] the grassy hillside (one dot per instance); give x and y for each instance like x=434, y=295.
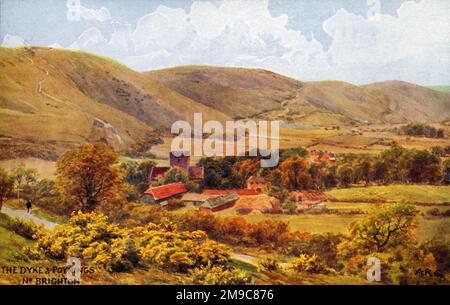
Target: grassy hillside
x=237, y=92
x=249, y=92
x=53, y=99
x=441, y=88
x=412, y=193
x=413, y=102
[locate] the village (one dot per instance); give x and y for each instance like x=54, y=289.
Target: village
x=250, y=200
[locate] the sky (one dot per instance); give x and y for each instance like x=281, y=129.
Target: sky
x=359, y=41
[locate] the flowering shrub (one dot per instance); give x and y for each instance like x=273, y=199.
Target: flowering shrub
x=24, y=228
x=219, y=275
x=307, y=263
x=90, y=237
x=164, y=246
x=268, y=264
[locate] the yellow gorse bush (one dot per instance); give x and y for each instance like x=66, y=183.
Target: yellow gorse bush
x=166, y=247
x=307, y=263
x=98, y=243
x=219, y=275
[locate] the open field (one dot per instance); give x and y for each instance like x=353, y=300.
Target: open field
x=359, y=139
x=411, y=193
x=360, y=199
x=45, y=168
x=428, y=226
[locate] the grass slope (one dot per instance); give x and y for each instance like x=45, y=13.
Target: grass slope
x=441, y=88
x=392, y=193
x=243, y=92
x=54, y=99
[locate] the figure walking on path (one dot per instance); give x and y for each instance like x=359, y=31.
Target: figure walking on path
x=29, y=206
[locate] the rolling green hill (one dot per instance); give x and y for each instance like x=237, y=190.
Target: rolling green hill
x=441, y=88
x=53, y=99
x=252, y=92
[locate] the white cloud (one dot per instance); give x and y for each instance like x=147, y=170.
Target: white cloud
x=412, y=46
x=102, y=14
x=92, y=39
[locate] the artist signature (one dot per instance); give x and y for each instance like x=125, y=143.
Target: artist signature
x=429, y=273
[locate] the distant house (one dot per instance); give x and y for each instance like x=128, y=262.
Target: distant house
x=218, y=203
x=309, y=200
x=322, y=156
x=257, y=183
x=195, y=198
x=183, y=162
x=308, y=197
x=161, y=194
x=240, y=192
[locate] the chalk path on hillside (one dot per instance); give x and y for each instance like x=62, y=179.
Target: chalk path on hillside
x=23, y=215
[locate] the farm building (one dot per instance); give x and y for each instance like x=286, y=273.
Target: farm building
x=183, y=161
x=161, y=194
x=257, y=183
x=258, y=204
x=308, y=197
x=308, y=200
x=240, y=192
x=322, y=156
x=195, y=198
x=218, y=203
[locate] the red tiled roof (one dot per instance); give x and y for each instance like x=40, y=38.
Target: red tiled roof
x=240, y=192
x=166, y=191
x=158, y=171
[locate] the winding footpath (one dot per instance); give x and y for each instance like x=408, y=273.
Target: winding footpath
x=23, y=215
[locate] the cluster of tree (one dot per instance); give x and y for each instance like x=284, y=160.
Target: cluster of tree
x=92, y=175
x=136, y=175
x=89, y=175
x=394, y=165
x=235, y=230
x=387, y=234
x=421, y=130
x=294, y=172
x=85, y=177
x=26, y=185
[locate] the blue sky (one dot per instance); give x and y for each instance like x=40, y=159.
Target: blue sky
x=360, y=41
